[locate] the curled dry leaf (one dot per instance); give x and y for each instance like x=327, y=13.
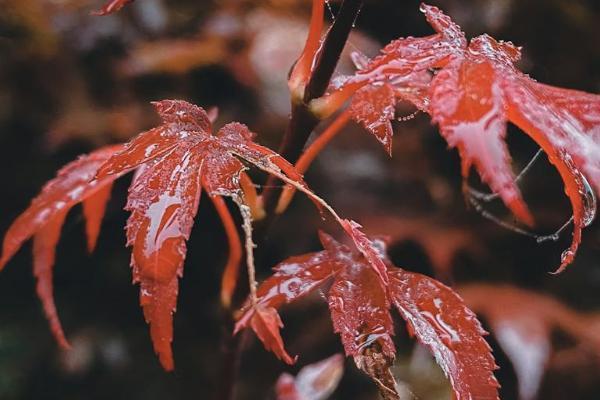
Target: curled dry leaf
x=523, y=323
x=173, y=163
x=314, y=382
x=360, y=309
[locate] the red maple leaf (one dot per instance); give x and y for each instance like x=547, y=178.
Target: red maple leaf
x=173, y=163
x=360, y=309
x=471, y=90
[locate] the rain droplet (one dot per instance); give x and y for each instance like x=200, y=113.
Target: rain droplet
x=589, y=202
x=554, y=237
x=566, y=255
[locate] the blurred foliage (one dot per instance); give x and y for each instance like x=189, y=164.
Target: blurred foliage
x=70, y=82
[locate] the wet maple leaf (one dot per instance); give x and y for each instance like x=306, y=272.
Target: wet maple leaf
x=523, y=323
x=314, y=382
x=471, y=90
x=360, y=309
x=174, y=162
x=44, y=218
x=111, y=6
x=178, y=159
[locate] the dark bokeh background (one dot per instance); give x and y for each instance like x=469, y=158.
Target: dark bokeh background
x=70, y=82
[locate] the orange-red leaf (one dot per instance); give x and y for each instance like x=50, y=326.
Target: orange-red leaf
x=302, y=69
x=231, y=272
x=373, y=254
x=314, y=382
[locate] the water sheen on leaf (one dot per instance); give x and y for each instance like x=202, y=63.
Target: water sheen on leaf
x=360, y=309
x=173, y=163
x=472, y=89
x=44, y=218
x=178, y=159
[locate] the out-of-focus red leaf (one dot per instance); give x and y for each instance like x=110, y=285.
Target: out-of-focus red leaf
x=523, y=323
x=175, y=56
x=360, y=309
x=314, y=382
x=441, y=243
x=440, y=320
x=231, y=271
x=43, y=220
x=111, y=6
x=73, y=183
x=302, y=69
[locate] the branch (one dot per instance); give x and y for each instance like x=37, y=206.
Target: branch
x=332, y=48
x=302, y=123
x=302, y=120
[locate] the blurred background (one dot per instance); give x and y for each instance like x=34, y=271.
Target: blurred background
x=70, y=82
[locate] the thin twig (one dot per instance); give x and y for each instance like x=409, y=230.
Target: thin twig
x=487, y=197
x=514, y=228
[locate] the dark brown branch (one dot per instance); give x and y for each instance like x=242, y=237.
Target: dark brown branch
x=332, y=48
x=302, y=120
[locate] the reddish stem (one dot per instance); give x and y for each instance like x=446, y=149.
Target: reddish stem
x=232, y=268
x=310, y=154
